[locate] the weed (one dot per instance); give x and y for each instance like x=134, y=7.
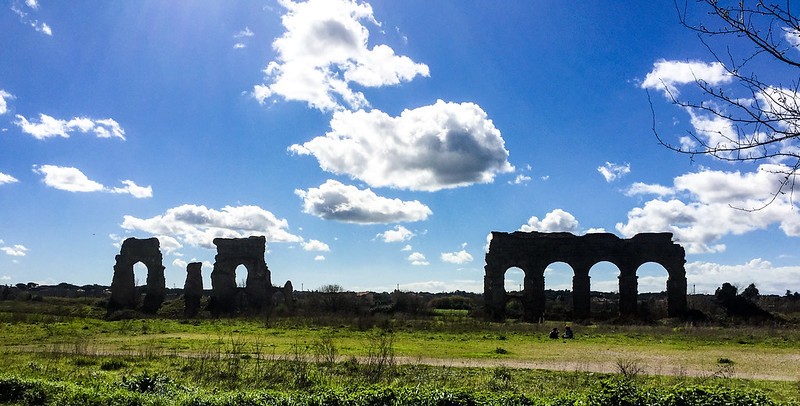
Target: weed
x=500, y=350
x=629, y=368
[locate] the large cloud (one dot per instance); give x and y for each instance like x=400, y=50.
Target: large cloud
x=666, y=75
x=4, y=98
x=199, y=225
x=73, y=180
x=324, y=50
x=707, y=205
x=445, y=145
x=335, y=201
x=556, y=221
x=48, y=127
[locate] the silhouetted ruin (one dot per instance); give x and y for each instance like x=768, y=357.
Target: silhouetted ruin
x=226, y=297
x=193, y=289
x=123, y=284
x=232, y=252
x=534, y=251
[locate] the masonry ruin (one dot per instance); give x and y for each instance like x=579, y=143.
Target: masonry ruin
x=534, y=251
x=226, y=297
x=123, y=284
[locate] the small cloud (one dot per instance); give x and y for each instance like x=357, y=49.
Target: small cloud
x=17, y=250
x=667, y=75
x=418, y=259
x=239, y=45
x=179, y=263
x=336, y=201
x=4, y=98
x=460, y=257
x=612, y=171
x=245, y=33
x=555, y=221
x=407, y=248
x=71, y=179
x=520, y=179
x=48, y=127
x=398, y=234
x=315, y=245
x=640, y=188
x=319, y=258
x=5, y=178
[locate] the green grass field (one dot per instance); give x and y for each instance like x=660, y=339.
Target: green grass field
x=67, y=342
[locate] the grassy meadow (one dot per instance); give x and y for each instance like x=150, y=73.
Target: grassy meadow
x=64, y=347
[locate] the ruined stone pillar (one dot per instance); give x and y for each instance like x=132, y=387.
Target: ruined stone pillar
x=628, y=291
x=533, y=299
x=193, y=289
x=581, y=294
x=156, y=288
x=123, y=285
x=676, y=292
x=494, y=293
x=288, y=295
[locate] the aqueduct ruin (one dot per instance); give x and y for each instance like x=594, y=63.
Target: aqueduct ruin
x=534, y=251
x=226, y=296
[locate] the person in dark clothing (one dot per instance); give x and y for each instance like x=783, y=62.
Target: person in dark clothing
x=568, y=332
x=554, y=333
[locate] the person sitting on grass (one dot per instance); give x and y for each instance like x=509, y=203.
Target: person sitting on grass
x=568, y=332
x=554, y=333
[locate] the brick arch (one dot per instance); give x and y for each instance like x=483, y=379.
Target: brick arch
x=533, y=252
x=123, y=286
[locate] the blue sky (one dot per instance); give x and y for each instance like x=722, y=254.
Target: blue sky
x=375, y=144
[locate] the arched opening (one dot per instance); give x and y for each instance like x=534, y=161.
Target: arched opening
x=140, y=281
x=558, y=291
x=514, y=284
x=604, y=288
x=652, y=298
x=240, y=274
x=514, y=280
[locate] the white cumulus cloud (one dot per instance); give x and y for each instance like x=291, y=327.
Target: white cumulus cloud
x=667, y=75
x=612, y=171
x=555, y=221
x=458, y=257
x=398, y=234
x=441, y=146
x=198, y=225
x=324, y=50
x=335, y=201
x=417, y=259
x=48, y=127
x=315, y=245
x=73, y=180
x=770, y=279
x=706, y=206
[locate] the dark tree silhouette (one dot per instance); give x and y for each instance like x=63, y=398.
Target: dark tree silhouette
x=758, y=45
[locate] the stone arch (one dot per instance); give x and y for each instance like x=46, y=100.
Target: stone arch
x=232, y=252
x=123, y=289
x=534, y=251
x=557, y=271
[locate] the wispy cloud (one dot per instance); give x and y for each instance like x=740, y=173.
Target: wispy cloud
x=48, y=127
x=73, y=180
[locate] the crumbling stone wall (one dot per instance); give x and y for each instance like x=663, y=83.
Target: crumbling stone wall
x=193, y=289
x=533, y=252
x=232, y=252
x=123, y=285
